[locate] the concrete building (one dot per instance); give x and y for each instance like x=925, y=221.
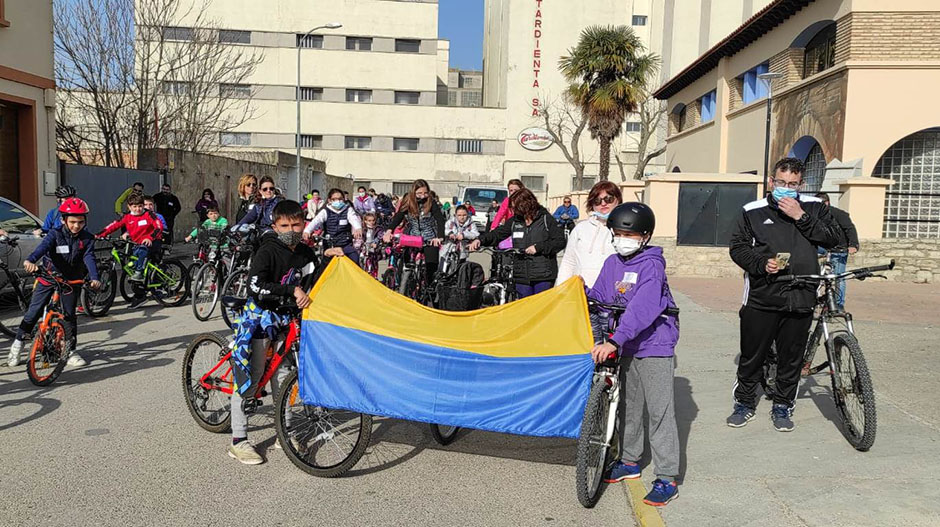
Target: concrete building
x=27, y=99
x=373, y=92
x=853, y=101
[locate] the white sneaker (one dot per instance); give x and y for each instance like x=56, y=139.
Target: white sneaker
x=76, y=360
x=245, y=453
x=13, y=360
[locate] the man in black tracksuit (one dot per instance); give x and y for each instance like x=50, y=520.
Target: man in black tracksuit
x=777, y=312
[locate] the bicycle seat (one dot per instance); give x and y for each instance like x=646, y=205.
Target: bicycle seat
x=234, y=302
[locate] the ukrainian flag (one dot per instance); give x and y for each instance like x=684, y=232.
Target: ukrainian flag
x=522, y=368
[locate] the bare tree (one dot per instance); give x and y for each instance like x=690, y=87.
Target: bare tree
x=651, y=113
x=564, y=122
x=132, y=79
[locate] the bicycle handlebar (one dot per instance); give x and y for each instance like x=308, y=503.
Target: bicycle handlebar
x=9, y=240
x=861, y=274
x=592, y=303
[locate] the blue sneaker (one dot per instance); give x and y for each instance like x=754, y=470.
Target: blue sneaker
x=741, y=415
x=621, y=471
x=663, y=492
x=780, y=415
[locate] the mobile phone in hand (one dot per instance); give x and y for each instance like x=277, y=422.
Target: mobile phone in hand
x=783, y=260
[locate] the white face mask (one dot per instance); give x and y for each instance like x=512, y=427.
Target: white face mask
x=626, y=246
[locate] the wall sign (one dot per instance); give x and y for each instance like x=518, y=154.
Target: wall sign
x=535, y=139
x=537, y=56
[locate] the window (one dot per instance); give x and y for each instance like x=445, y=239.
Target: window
x=451, y=98
x=359, y=43
x=15, y=220
x=232, y=36
x=358, y=143
x=403, y=144
x=311, y=141
x=311, y=94
x=175, y=87
x=471, y=98
x=407, y=97
x=469, y=146
x=310, y=41
x=533, y=182
x=639, y=20
x=586, y=183
x=178, y=33
x=820, y=53
x=235, y=91
x=708, y=106
x=358, y=95
x=407, y=46
x=235, y=139
x=401, y=188
x=634, y=126
x=753, y=88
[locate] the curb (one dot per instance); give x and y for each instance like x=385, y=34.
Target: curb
x=645, y=515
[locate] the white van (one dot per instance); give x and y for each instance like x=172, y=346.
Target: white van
x=481, y=197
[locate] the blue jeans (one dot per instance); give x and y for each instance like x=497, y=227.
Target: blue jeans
x=838, y=261
x=142, y=252
x=41, y=296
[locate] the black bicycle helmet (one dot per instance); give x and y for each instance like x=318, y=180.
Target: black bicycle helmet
x=634, y=217
x=65, y=191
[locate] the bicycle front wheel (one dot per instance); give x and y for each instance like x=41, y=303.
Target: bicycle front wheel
x=98, y=303
x=171, y=287
x=443, y=434
x=209, y=406
x=591, y=461
x=236, y=285
x=320, y=441
x=205, y=291
x=49, y=353
x=853, y=391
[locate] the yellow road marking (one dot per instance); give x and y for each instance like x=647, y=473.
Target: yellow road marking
x=646, y=515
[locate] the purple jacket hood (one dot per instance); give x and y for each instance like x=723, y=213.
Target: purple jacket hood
x=640, y=284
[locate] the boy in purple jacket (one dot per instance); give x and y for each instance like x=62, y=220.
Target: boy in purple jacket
x=635, y=277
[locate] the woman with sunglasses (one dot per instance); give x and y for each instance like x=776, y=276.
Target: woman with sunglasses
x=247, y=192
x=590, y=242
x=261, y=214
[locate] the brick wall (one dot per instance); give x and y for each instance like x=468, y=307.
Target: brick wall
x=790, y=63
x=915, y=260
x=891, y=36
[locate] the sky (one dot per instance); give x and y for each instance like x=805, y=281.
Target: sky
x=461, y=22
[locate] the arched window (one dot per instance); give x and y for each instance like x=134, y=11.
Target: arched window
x=820, y=53
x=814, y=169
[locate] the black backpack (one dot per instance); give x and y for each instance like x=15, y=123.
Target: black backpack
x=462, y=290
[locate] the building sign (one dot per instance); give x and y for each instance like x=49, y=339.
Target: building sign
x=535, y=139
x=536, y=57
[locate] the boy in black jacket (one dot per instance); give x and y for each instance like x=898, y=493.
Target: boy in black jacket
x=275, y=274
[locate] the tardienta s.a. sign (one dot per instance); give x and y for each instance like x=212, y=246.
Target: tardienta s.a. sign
x=535, y=139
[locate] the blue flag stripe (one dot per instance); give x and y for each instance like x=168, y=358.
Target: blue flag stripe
x=379, y=375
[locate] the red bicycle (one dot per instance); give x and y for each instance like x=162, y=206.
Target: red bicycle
x=320, y=441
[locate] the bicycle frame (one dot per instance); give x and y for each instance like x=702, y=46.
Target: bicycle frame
x=277, y=356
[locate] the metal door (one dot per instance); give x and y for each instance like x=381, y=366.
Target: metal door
x=709, y=211
x=101, y=186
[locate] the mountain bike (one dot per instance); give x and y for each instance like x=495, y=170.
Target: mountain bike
x=500, y=288
x=15, y=292
x=409, y=269
x=54, y=338
x=369, y=257
x=167, y=280
x=320, y=441
x=852, y=389
x=211, y=275
x=98, y=302
x=242, y=244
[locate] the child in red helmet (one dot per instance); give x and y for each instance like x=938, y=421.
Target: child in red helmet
x=69, y=250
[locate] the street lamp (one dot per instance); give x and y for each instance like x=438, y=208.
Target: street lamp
x=768, y=79
x=331, y=25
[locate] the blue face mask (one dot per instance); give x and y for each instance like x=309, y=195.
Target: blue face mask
x=600, y=216
x=337, y=204
x=783, y=192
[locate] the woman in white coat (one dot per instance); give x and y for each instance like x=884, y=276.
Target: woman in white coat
x=589, y=243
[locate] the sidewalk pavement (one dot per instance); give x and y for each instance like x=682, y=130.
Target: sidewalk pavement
x=811, y=476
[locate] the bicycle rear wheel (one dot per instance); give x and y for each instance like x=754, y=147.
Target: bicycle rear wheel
x=49, y=353
x=12, y=306
x=205, y=291
x=591, y=461
x=236, y=285
x=853, y=391
x=320, y=441
x=98, y=303
x=444, y=434
x=172, y=289
x=211, y=408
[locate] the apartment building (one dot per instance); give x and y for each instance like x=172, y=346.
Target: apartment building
x=27, y=100
x=371, y=91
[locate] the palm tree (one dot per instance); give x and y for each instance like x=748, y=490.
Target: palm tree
x=607, y=73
